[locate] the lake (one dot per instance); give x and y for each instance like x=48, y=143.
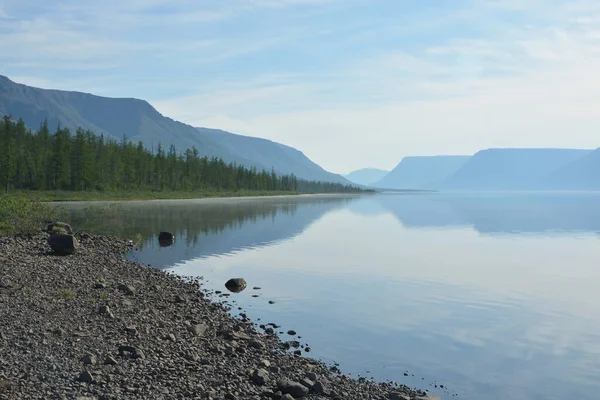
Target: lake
x=490, y=295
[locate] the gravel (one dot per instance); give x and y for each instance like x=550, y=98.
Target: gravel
x=94, y=325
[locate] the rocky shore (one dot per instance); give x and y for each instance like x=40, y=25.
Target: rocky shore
x=93, y=325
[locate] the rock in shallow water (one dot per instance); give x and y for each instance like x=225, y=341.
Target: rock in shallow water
x=236, y=285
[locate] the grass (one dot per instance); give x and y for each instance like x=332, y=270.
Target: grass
x=20, y=215
x=60, y=195
x=67, y=294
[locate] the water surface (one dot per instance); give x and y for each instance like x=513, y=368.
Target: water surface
x=492, y=295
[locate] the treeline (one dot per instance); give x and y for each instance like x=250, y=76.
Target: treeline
x=84, y=161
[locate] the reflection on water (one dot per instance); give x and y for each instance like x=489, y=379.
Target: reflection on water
x=492, y=295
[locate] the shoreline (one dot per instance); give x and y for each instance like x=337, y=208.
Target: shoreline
x=95, y=325
x=209, y=200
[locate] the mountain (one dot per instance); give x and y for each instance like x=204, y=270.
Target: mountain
x=581, y=174
x=421, y=172
x=366, y=176
x=511, y=169
x=116, y=117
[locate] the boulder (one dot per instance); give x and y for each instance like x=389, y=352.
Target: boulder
x=165, y=238
x=59, y=227
x=293, y=388
x=62, y=243
x=236, y=285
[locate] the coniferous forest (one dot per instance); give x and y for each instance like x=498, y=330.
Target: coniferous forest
x=84, y=161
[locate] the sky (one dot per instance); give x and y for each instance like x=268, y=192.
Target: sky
x=351, y=83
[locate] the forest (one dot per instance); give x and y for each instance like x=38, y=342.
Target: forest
x=85, y=161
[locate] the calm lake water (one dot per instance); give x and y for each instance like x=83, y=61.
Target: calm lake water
x=494, y=296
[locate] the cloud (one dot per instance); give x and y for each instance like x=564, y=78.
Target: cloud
x=374, y=81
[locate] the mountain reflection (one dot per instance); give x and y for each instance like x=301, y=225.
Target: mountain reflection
x=491, y=213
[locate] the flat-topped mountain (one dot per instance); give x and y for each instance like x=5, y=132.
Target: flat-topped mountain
x=421, y=172
x=139, y=121
x=511, y=169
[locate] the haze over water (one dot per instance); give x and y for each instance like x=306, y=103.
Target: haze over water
x=492, y=295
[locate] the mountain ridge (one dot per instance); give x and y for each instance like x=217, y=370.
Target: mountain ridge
x=140, y=121
x=510, y=169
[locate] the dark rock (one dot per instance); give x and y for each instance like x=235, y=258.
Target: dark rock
x=236, y=285
x=399, y=396
x=62, y=243
x=165, y=236
x=127, y=289
x=131, y=351
x=256, y=344
x=260, y=376
x=290, y=387
x=287, y=396
x=106, y=310
x=100, y=285
x=319, y=388
x=291, y=332
x=89, y=359
x=307, y=382
x=110, y=361
x=59, y=227
x=86, y=377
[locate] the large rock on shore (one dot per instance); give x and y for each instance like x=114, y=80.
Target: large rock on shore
x=62, y=243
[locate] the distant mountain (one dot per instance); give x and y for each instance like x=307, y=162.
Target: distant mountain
x=421, y=172
x=141, y=122
x=366, y=176
x=581, y=174
x=511, y=169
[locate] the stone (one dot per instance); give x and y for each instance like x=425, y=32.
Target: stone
x=62, y=243
x=106, y=310
x=86, y=377
x=319, y=388
x=127, y=289
x=163, y=236
x=236, y=285
x=255, y=344
x=287, y=396
x=133, y=352
x=100, y=285
x=165, y=239
x=307, y=382
x=110, y=361
x=198, y=329
x=312, y=376
x=260, y=376
x=89, y=359
x=290, y=387
x=291, y=332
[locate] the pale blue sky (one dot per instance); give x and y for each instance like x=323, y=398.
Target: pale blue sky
x=352, y=83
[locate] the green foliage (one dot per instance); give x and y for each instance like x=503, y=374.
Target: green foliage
x=87, y=162
x=67, y=294
x=24, y=216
